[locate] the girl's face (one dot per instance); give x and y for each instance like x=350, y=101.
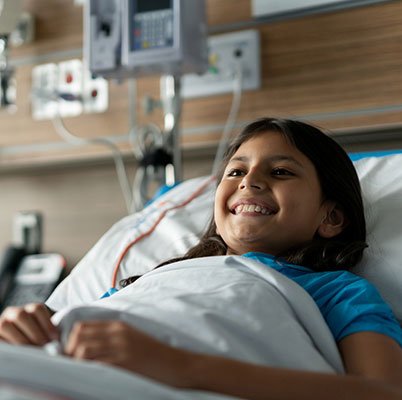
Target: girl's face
x=269, y=198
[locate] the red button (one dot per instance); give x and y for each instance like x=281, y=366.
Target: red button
x=69, y=77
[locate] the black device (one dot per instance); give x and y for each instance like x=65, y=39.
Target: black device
x=28, y=278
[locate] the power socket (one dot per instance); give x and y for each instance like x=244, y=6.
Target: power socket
x=95, y=93
x=227, y=52
x=44, y=87
x=70, y=83
x=67, y=89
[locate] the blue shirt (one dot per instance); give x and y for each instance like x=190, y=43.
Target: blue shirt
x=348, y=303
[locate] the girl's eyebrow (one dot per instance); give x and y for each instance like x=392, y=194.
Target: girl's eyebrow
x=275, y=158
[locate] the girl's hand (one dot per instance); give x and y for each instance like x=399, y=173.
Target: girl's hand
x=29, y=324
x=119, y=344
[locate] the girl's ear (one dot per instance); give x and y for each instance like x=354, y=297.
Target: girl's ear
x=333, y=223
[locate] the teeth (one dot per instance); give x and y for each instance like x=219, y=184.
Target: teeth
x=239, y=209
x=251, y=208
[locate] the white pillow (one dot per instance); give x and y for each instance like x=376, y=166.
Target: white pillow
x=381, y=181
x=180, y=229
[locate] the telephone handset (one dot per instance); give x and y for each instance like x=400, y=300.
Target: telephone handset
x=28, y=278
x=9, y=262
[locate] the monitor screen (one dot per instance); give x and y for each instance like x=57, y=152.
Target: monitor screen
x=152, y=5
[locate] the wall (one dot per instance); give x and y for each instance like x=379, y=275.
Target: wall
x=341, y=70
x=78, y=202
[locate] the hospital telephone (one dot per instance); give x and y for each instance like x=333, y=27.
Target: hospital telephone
x=28, y=278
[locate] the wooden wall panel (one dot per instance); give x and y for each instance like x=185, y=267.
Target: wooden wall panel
x=341, y=70
x=58, y=26
x=222, y=12
x=78, y=203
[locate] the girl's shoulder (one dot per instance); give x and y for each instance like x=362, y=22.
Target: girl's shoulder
x=334, y=284
x=348, y=302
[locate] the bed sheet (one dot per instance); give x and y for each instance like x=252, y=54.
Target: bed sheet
x=28, y=373
x=230, y=306
x=225, y=305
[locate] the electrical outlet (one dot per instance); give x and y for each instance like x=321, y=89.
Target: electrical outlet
x=44, y=87
x=227, y=53
x=94, y=93
x=70, y=87
x=67, y=89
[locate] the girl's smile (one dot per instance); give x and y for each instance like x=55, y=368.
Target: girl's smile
x=269, y=199
x=252, y=207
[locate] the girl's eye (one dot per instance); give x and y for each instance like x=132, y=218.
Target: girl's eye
x=281, y=172
x=235, y=172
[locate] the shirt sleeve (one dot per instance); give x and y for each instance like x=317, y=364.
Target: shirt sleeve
x=357, y=306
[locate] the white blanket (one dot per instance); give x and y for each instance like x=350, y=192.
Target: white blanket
x=230, y=306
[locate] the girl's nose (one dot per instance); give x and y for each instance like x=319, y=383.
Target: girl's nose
x=253, y=181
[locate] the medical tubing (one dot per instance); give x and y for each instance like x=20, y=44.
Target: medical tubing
x=142, y=175
x=231, y=119
x=65, y=134
x=194, y=195
x=140, y=150
x=140, y=185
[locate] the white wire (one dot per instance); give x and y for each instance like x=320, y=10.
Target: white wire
x=231, y=119
x=69, y=137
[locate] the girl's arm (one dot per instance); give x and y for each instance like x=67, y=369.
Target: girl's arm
x=259, y=382
x=116, y=343
x=372, y=355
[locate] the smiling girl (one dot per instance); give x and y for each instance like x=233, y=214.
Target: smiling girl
x=269, y=199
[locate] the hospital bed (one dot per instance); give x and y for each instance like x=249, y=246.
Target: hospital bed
x=299, y=337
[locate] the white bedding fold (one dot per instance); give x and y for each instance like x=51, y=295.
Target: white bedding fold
x=231, y=306
x=45, y=377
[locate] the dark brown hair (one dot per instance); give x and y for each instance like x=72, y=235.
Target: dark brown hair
x=339, y=183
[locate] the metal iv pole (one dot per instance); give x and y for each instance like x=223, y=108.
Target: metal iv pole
x=158, y=151
x=171, y=105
